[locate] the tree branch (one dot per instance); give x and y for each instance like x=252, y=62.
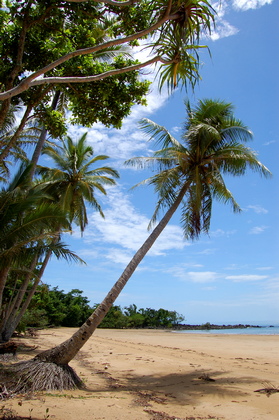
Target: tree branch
x=26, y=83
x=110, y=2
x=101, y=76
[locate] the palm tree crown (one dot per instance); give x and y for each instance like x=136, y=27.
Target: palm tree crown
x=73, y=182
x=212, y=145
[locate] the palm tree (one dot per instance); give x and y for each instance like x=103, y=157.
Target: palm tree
x=72, y=182
x=25, y=138
x=190, y=175
x=28, y=233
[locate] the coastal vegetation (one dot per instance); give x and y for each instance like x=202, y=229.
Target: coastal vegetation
x=51, y=307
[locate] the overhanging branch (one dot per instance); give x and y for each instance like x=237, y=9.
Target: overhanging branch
x=110, y=2
x=101, y=76
x=26, y=83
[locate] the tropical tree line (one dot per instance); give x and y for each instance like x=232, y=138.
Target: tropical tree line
x=51, y=307
x=64, y=58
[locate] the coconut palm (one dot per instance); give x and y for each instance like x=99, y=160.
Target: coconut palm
x=28, y=226
x=190, y=174
x=70, y=185
x=73, y=182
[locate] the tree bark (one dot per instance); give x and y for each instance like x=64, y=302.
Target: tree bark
x=14, y=317
x=42, y=138
x=7, y=323
x=3, y=279
x=5, y=152
x=66, y=351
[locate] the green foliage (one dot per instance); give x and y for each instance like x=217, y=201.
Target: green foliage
x=33, y=318
x=71, y=309
x=40, y=34
x=60, y=309
x=131, y=317
x=211, y=145
x=73, y=181
x=114, y=319
x=27, y=223
x=54, y=122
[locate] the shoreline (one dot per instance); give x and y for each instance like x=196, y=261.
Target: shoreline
x=156, y=374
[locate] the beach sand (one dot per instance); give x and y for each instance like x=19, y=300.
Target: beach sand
x=147, y=374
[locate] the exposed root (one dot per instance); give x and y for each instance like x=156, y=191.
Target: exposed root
x=32, y=376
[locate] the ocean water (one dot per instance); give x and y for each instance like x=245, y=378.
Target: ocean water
x=241, y=331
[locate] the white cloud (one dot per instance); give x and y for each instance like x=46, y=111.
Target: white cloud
x=202, y=276
x=269, y=142
x=220, y=232
x=257, y=230
x=249, y=4
x=207, y=251
x=181, y=271
x=127, y=142
x=258, y=209
x=222, y=27
x=125, y=227
x=176, y=129
x=246, y=277
x=223, y=30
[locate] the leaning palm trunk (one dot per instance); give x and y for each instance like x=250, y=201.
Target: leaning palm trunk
x=32, y=373
x=65, y=352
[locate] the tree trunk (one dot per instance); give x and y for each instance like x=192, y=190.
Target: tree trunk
x=42, y=138
x=6, y=150
x=66, y=351
x=9, y=322
x=15, y=320
x=3, y=279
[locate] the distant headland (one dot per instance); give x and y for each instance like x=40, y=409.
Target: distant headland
x=209, y=326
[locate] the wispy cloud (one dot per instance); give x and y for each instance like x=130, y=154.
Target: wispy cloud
x=181, y=271
x=220, y=232
x=258, y=209
x=257, y=230
x=207, y=251
x=249, y=4
x=246, y=277
x=222, y=28
x=202, y=276
x=269, y=142
x=126, y=228
x=127, y=142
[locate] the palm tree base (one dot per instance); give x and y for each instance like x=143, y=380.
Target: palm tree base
x=32, y=376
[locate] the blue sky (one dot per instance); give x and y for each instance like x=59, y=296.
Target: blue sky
x=231, y=275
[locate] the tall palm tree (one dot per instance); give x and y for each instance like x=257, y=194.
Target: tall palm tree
x=70, y=185
x=190, y=175
x=73, y=182
x=27, y=226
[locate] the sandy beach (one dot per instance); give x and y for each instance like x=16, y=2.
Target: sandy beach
x=147, y=374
